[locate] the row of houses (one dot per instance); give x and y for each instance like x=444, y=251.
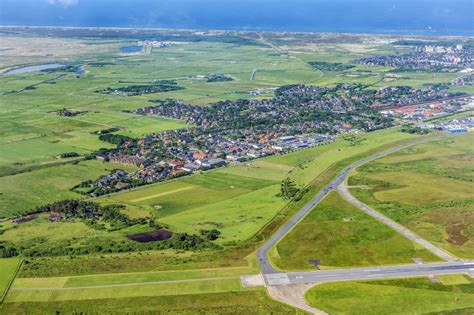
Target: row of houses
x=459, y=125
x=427, y=110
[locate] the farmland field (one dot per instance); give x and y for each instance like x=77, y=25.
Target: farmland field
x=23, y=192
x=427, y=188
x=451, y=294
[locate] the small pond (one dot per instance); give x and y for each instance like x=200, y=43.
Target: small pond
x=35, y=68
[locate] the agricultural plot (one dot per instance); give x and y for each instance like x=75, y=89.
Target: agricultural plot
x=448, y=295
x=23, y=192
x=340, y=235
x=427, y=188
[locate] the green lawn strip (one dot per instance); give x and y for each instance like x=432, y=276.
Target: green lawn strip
x=238, y=218
x=176, y=288
x=401, y=296
x=259, y=169
x=241, y=302
x=340, y=235
x=119, y=278
x=173, y=197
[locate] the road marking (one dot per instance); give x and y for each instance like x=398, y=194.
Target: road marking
x=376, y=275
x=278, y=279
x=370, y=270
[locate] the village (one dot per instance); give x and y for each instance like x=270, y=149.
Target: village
x=429, y=109
x=231, y=132
x=173, y=154
x=426, y=58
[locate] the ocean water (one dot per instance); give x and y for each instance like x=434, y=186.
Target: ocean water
x=423, y=17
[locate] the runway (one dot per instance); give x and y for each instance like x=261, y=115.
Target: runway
x=385, y=272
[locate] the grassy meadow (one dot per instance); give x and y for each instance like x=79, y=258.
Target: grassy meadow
x=340, y=235
x=451, y=294
x=9, y=267
x=25, y=191
x=231, y=302
x=428, y=188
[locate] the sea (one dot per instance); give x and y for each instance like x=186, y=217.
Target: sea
x=415, y=17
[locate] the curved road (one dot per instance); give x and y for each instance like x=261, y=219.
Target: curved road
x=262, y=252
x=345, y=193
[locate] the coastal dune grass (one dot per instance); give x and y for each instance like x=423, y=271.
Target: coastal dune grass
x=428, y=188
x=401, y=296
x=340, y=235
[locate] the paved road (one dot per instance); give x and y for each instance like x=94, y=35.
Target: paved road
x=402, y=271
x=342, y=188
x=263, y=251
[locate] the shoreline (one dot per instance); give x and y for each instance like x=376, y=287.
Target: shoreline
x=217, y=31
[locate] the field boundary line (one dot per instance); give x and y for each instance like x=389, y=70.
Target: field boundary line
x=130, y=284
x=162, y=194
x=149, y=272
x=8, y=287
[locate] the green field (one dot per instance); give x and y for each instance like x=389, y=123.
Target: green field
x=450, y=295
x=8, y=266
x=428, y=188
x=240, y=302
x=340, y=235
x=178, y=286
x=23, y=192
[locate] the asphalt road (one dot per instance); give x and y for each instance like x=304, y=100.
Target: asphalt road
x=262, y=252
x=401, y=271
